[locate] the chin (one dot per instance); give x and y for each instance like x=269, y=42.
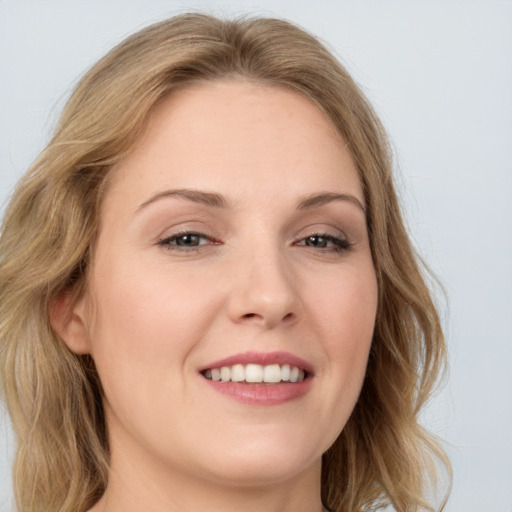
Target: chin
x=264, y=472
x=266, y=461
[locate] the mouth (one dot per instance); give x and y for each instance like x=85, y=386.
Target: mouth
x=260, y=378
x=253, y=373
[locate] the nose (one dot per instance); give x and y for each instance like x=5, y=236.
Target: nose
x=264, y=290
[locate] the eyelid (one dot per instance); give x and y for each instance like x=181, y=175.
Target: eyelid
x=165, y=241
x=322, y=228
x=340, y=242
x=334, y=238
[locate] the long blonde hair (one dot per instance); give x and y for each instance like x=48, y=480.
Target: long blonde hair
x=54, y=397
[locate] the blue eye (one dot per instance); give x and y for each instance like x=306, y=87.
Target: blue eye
x=325, y=242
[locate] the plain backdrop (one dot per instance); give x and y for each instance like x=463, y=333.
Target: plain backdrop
x=440, y=75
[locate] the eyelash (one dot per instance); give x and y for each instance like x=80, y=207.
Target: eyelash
x=339, y=244
x=169, y=245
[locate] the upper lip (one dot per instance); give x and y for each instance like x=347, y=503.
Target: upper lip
x=262, y=358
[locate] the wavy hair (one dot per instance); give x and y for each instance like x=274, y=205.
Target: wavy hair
x=54, y=397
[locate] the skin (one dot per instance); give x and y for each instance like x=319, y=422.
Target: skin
x=155, y=314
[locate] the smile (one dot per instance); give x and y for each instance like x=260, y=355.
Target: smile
x=256, y=373
x=260, y=378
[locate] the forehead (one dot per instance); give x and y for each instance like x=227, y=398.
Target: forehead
x=252, y=138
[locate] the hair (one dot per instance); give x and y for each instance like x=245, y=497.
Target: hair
x=54, y=397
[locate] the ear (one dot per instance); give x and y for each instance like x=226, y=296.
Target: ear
x=69, y=322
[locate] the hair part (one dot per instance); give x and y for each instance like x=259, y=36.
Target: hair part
x=54, y=397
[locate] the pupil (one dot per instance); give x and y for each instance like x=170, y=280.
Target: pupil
x=188, y=240
x=316, y=241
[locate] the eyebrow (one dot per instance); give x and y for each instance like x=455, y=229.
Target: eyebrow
x=322, y=198
x=197, y=196
x=215, y=200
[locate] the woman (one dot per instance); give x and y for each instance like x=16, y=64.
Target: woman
x=214, y=303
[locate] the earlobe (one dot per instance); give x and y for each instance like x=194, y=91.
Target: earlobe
x=68, y=321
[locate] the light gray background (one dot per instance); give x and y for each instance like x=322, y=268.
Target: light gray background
x=440, y=76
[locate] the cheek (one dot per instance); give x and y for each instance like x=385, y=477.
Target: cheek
x=146, y=322
x=342, y=314
x=345, y=316
x=348, y=306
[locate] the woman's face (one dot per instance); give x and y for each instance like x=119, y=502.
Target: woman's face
x=232, y=245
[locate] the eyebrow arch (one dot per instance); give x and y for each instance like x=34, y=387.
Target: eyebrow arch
x=197, y=196
x=219, y=201
x=327, y=197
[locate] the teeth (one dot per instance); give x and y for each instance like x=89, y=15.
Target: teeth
x=285, y=372
x=254, y=373
x=225, y=374
x=237, y=373
x=272, y=373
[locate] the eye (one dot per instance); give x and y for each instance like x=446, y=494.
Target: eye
x=325, y=242
x=185, y=241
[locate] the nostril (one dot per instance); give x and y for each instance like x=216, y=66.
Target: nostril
x=248, y=316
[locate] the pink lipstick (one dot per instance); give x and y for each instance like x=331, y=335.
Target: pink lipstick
x=260, y=378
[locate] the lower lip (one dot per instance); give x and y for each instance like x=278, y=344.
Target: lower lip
x=262, y=394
